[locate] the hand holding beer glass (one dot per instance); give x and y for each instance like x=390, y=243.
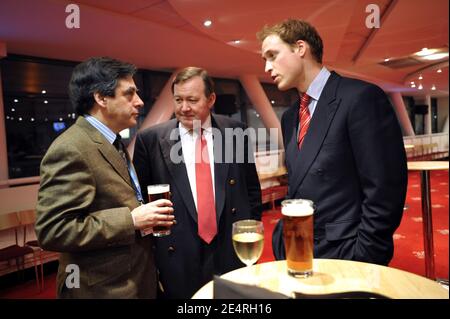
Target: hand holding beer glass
x=298, y=234
x=155, y=192
x=248, y=240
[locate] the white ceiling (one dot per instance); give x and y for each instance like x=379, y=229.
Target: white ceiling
x=169, y=34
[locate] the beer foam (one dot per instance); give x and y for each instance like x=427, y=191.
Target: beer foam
x=158, y=189
x=297, y=210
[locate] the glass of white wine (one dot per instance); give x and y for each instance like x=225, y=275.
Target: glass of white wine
x=248, y=241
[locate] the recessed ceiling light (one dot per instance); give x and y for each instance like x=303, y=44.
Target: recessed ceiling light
x=420, y=87
x=7, y=117
x=16, y=100
x=273, y=102
x=439, y=71
x=420, y=77
x=207, y=23
x=46, y=120
x=412, y=82
x=43, y=91
x=436, y=56
x=60, y=119
x=237, y=41
x=20, y=119
x=413, y=85
x=45, y=102
x=13, y=110
x=386, y=60
x=425, y=52
x=32, y=119
x=433, y=87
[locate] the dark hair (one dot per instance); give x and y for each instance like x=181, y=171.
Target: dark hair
x=190, y=72
x=96, y=75
x=292, y=30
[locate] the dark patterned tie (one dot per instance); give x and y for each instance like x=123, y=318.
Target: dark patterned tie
x=121, y=148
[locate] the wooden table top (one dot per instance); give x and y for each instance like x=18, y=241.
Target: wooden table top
x=427, y=165
x=332, y=276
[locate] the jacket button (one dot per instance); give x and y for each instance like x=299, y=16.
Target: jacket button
x=171, y=249
x=232, y=182
x=233, y=210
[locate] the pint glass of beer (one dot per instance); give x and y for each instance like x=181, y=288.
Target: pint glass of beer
x=298, y=234
x=155, y=192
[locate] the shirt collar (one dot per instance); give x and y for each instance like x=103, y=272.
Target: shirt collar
x=316, y=87
x=206, y=126
x=102, y=128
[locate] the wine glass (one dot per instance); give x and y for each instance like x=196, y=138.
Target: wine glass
x=248, y=241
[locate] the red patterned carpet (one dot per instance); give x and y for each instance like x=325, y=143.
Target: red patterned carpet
x=408, y=240
x=408, y=254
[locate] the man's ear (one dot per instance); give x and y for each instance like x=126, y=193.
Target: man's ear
x=100, y=99
x=211, y=100
x=300, y=47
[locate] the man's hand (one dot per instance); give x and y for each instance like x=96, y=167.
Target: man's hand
x=157, y=213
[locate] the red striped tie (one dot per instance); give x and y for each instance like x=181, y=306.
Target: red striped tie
x=206, y=210
x=305, y=118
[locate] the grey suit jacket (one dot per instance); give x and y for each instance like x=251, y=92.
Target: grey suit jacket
x=83, y=211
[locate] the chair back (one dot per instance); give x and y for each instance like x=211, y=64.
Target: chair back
x=27, y=217
x=8, y=221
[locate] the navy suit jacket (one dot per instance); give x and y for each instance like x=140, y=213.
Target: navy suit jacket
x=352, y=165
x=185, y=262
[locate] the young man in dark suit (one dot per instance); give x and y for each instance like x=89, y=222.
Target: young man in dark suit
x=344, y=149
x=212, y=185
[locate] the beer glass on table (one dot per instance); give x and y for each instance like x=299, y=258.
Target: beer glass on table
x=248, y=240
x=155, y=192
x=298, y=235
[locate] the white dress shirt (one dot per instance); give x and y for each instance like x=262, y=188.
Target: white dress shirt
x=188, y=141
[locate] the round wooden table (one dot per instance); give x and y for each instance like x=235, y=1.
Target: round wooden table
x=332, y=276
x=425, y=167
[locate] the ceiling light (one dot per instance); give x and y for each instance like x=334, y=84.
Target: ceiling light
x=413, y=85
x=237, y=41
x=60, y=119
x=45, y=102
x=412, y=82
x=433, y=87
x=420, y=77
x=46, y=120
x=436, y=56
x=425, y=52
x=7, y=117
x=439, y=71
x=273, y=102
x=207, y=23
x=420, y=87
x=13, y=110
x=16, y=100
x=20, y=119
x=386, y=60
x=32, y=119
x=43, y=91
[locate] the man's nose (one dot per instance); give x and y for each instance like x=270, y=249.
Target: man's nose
x=268, y=66
x=185, y=106
x=138, y=102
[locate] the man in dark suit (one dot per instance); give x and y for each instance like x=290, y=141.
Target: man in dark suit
x=89, y=199
x=344, y=149
x=210, y=187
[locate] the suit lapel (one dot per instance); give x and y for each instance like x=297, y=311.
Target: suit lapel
x=318, y=128
x=108, y=151
x=220, y=166
x=178, y=170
